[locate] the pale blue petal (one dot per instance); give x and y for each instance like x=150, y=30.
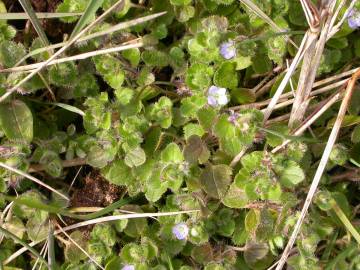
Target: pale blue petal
x=212, y=101
x=213, y=90
x=221, y=91
x=223, y=100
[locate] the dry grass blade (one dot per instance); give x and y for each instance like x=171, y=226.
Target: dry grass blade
x=99, y=220
x=112, y=29
x=64, y=164
x=323, y=162
x=125, y=216
x=237, y=158
x=309, y=70
x=21, y=242
x=311, y=120
x=43, y=252
x=63, y=49
x=79, y=247
x=39, y=15
x=336, y=28
x=74, y=58
x=252, y=6
x=336, y=77
x=265, y=17
x=299, y=55
x=90, y=11
x=285, y=96
x=32, y=178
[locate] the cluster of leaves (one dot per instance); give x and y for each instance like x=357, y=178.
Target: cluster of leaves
x=153, y=121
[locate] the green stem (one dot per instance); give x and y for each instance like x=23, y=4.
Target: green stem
x=341, y=215
x=55, y=210
x=170, y=263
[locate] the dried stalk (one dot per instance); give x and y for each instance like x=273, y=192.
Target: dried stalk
x=307, y=123
x=303, y=48
x=95, y=221
x=74, y=57
x=309, y=69
x=65, y=164
x=32, y=178
x=63, y=49
x=284, y=97
x=320, y=170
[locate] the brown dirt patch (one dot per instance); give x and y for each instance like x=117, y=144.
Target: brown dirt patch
x=95, y=192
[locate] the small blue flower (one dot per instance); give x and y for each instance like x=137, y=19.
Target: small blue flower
x=228, y=50
x=354, y=19
x=180, y=231
x=128, y=267
x=233, y=117
x=217, y=96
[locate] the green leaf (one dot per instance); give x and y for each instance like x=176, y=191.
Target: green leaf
x=64, y=74
x=131, y=253
x=242, y=62
x=10, y=53
x=177, y=57
x=132, y=55
x=161, y=112
x=291, y=175
x=215, y=180
x=105, y=233
x=155, y=187
x=235, y=197
x=257, y=255
x=135, y=226
x=135, y=157
x=72, y=252
x=193, y=129
x=349, y=120
x=15, y=226
x=37, y=226
x=180, y=2
x=119, y=12
x=266, y=225
x=339, y=154
x=145, y=77
x=172, y=154
x=155, y=58
x=124, y=95
x=206, y=117
x=274, y=140
x=226, y=76
x=243, y=95
x=252, y=220
x=204, y=47
x=261, y=63
x=99, y=157
x=111, y=69
x=198, y=77
x=17, y=121
x=117, y=173
x=185, y=13
x=355, y=135
x=191, y=105
x=196, y=151
x=72, y=6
